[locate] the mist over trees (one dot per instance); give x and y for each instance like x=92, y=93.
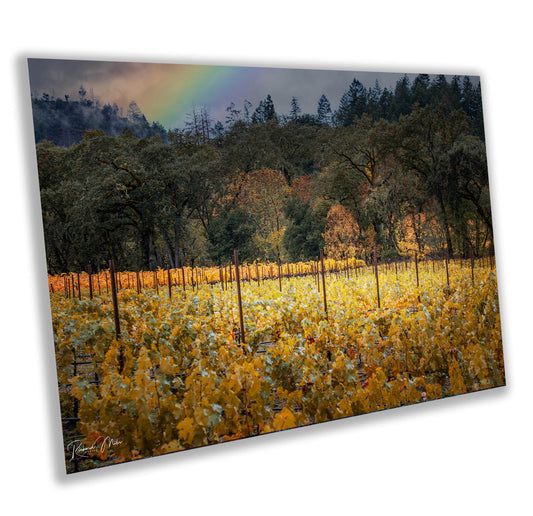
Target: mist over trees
x=63, y=121
x=401, y=169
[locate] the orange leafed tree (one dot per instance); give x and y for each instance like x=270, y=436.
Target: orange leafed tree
x=302, y=187
x=343, y=238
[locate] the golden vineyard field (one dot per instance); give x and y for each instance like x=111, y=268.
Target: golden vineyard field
x=181, y=377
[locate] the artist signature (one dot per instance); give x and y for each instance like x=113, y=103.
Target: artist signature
x=78, y=449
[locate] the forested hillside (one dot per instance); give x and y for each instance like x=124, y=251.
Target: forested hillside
x=401, y=169
x=64, y=121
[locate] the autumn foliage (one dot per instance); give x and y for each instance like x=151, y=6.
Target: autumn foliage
x=187, y=380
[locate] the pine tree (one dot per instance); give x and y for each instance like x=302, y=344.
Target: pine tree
x=82, y=93
x=270, y=112
x=385, y=104
x=401, y=104
x=265, y=111
x=324, y=111
x=134, y=113
x=455, y=92
x=373, y=96
x=420, y=92
x=295, y=109
x=353, y=104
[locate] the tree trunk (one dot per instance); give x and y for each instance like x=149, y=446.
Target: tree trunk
x=146, y=245
x=150, y=252
x=445, y=223
x=169, y=252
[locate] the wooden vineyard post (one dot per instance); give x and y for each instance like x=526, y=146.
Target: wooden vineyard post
x=114, y=297
x=90, y=272
x=183, y=278
x=447, y=272
x=417, y=280
x=65, y=286
x=279, y=274
x=221, y=278
x=318, y=272
x=238, y=279
x=156, y=286
x=257, y=273
x=116, y=312
x=169, y=283
x=377, y=276
x=416, y=269
x=324, y=283
x=472, y=263
x=79, y=285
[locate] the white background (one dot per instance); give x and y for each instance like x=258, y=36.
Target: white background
x=467, y=455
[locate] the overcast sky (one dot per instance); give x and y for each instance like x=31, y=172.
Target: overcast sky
x=166, y=92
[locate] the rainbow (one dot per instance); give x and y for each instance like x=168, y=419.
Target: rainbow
x=172, y=90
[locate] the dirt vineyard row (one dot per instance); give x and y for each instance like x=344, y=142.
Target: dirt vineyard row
x=180, y=377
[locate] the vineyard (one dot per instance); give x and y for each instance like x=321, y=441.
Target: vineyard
x=152, y=362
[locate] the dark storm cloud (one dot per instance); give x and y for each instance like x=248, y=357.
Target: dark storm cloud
x=66, y=76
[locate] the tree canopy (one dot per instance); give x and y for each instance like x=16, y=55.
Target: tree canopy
x=401, y=169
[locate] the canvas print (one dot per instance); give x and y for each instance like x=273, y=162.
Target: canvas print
x=235, y=251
